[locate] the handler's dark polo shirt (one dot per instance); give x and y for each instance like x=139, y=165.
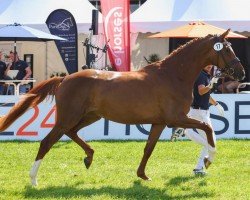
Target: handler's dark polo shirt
x=3, y=68
x=201, y=101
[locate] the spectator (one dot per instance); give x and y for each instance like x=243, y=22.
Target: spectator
x=3, y=70
x=227, y=85
x=24, y=71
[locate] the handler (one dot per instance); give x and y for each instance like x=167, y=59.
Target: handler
x=200, y=110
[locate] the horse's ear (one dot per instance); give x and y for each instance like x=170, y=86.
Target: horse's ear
x=223, y=36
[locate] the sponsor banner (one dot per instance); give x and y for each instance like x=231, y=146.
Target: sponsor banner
x=37, y=122
x=117, y=31
x=62, y=23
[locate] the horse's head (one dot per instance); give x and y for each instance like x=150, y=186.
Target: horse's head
x=225, y=57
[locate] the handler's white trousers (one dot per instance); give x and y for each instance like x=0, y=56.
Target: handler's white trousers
x=200, y=137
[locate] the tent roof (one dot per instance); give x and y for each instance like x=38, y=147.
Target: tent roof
x=159, y=15
x=17, y=32
x=34, y=13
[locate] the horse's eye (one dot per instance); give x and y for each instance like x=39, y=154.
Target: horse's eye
x=227, y=49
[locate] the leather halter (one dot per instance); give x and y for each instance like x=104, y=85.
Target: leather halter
x=228, y=69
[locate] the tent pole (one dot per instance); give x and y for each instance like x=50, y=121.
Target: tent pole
x=46, y=60
x=14, y=52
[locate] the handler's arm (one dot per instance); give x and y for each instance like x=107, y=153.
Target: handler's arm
x=203, y=89
x=217, y=105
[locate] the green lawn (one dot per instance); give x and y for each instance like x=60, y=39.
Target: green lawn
x=112, y=175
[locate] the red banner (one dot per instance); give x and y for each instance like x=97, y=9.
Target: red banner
x=116, y=25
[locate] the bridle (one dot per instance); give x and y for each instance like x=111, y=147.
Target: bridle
x=228, y=69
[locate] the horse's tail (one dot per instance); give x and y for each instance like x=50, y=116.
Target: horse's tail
x=31, y=99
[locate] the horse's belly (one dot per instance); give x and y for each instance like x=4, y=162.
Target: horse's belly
x=133, y=120
x=130, y=114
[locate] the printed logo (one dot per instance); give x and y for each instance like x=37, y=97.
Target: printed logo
x=115, y=17
x=63, y=26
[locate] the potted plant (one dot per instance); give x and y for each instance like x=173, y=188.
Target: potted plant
x=153, y=57
x=61, y=74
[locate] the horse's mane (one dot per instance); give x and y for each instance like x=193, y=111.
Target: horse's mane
x=188, y=44
x=184, y=46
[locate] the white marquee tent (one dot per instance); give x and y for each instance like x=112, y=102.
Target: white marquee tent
x=34, y=13
x=159, y=15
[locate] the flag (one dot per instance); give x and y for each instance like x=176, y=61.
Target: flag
x=62, y=23
x=116, y=25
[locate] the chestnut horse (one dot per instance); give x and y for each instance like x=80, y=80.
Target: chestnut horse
x=159, y=94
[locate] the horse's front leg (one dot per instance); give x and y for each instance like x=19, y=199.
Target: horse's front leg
x=45, y=145
x=153, y=137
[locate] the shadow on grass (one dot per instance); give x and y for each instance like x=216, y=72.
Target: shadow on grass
x=182, y=179
x=137, y=191
x=180, y=182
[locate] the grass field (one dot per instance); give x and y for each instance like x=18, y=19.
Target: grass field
x=112, y=175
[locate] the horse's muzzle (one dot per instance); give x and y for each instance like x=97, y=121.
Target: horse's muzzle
x=239, y=73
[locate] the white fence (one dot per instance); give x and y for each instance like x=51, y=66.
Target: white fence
x=36, y=123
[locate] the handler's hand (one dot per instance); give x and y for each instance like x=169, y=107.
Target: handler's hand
x=212, y=82
x=220, y=109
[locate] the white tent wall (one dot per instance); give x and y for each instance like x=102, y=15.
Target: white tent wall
x=6, y=47
x=145, y=46
x=38, y=49
x=54, y=61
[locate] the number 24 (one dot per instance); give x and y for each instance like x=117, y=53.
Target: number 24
x=21, y=131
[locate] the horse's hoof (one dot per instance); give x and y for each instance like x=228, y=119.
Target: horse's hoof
x=34, y=182
x=87, y=162
x=144, y=177
x=207, y=162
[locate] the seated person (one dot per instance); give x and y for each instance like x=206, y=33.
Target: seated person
x=24, y=70
x=3, y=69
x=227, y=85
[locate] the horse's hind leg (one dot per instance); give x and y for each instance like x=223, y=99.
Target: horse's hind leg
x=45, y=145
x=85, y=121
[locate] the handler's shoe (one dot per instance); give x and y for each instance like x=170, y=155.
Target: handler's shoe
x=199, y=172
x=178, y=132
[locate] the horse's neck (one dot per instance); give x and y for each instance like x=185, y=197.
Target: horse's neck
x=188, y=63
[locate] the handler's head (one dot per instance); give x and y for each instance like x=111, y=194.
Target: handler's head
x=209, y=69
